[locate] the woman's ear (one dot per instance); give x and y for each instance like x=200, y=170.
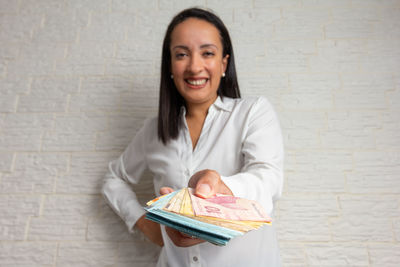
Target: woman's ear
x=225, y=63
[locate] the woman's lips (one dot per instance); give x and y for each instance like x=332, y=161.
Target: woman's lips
x=196, y=83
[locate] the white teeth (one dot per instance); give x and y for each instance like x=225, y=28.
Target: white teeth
x=197, y=82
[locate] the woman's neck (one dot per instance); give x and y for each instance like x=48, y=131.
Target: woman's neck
x=198, y=110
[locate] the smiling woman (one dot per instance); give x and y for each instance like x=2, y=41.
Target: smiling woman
x=197, y=62
x=205, y=137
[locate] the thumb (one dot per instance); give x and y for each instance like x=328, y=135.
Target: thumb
x=166, y=190
x=206, y=188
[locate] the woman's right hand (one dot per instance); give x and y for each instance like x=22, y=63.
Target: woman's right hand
x=151, y=230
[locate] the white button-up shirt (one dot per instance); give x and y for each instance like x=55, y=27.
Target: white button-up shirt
x=240, y=139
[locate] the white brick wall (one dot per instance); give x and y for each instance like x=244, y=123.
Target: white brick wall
x=77, y=79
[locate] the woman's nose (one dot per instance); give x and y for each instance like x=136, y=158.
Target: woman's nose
x=195, y=64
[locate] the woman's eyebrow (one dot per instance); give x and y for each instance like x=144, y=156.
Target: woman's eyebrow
x=187, y=48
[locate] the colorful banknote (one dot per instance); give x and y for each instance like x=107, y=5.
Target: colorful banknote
x=216, y=219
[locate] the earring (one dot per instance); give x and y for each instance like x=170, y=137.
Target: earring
x=172, y=76
x=223, y=74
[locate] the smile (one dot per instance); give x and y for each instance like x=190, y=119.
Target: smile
x=196, y=82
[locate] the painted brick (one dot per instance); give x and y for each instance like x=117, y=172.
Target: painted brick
x=352, y=23
x=337, y=255
x=135, y=253
x=326, y=4
x=221, y=4
x=74, y=132
x=396, y=226
x=300, y=23
x=32, y=62
x=308, y=182
x=374, y=206
x=388, y=137
x=388, y=23
x=359, y=91
x=290, y=56
x=100, y=93
x=133, y=6
x=34, y=173
x=9, y=52
x=90, y=5
x=262, y=20
x=354, y=129
x=16, y=211
x=33, y=7
x=323, y=161
x=292, y=254
x=276, y=4
x=362, y=228
x=48, y=95
x=22, y=132
x=86, y=173
x=57, y=228
x=384, y=255
x=301, y=128
x=108, y=27
x=6, y=159
x=305, y=229
x=85, y=58
x=178, y=5
x=377, y=50
x=72, y=206
x=8, y=7
x=8, y=101
x=308, y=206
x=270, y=86
x=60, y=26
x=310, y=92
x=338, y=56
x=19, y=28
x=375, y=173
x=121, y=131
x=83, y=254
x=35, y=254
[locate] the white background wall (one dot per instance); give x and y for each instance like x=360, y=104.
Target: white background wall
x=78, y=77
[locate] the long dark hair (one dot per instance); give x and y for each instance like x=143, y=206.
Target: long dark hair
x=171, y=101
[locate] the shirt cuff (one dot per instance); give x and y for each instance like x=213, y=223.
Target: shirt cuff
x=131, y=219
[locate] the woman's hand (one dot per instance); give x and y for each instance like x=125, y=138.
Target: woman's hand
x=151, y=230
x=207, y=183
x=178, y=238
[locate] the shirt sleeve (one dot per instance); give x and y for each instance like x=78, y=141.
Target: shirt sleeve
x=122, y=173
x=261, y=177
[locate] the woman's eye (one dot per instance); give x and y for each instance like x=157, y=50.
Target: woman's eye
x=180, y=55
x=208, y=54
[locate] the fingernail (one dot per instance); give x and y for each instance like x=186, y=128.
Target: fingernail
x=203, y=190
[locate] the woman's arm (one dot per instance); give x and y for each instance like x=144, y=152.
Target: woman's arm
x=123, y=172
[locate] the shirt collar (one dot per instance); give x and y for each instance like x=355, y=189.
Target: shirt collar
x=224, y=103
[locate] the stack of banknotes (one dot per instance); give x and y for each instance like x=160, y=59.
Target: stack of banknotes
x=216, y=219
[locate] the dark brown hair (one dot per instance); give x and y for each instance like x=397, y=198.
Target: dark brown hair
x=171, y=101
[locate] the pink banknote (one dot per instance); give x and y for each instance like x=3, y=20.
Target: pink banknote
x=229, y=208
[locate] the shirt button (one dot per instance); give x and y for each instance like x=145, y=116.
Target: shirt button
x=195, y=259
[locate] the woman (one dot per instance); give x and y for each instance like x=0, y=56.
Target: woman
x=204, y=137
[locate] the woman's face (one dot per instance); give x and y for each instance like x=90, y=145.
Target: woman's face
x=196, y=61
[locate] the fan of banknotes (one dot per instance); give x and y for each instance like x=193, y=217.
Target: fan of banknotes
x=216, y=219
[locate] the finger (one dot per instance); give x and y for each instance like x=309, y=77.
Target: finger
x=166, y=190
x=207, y=186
